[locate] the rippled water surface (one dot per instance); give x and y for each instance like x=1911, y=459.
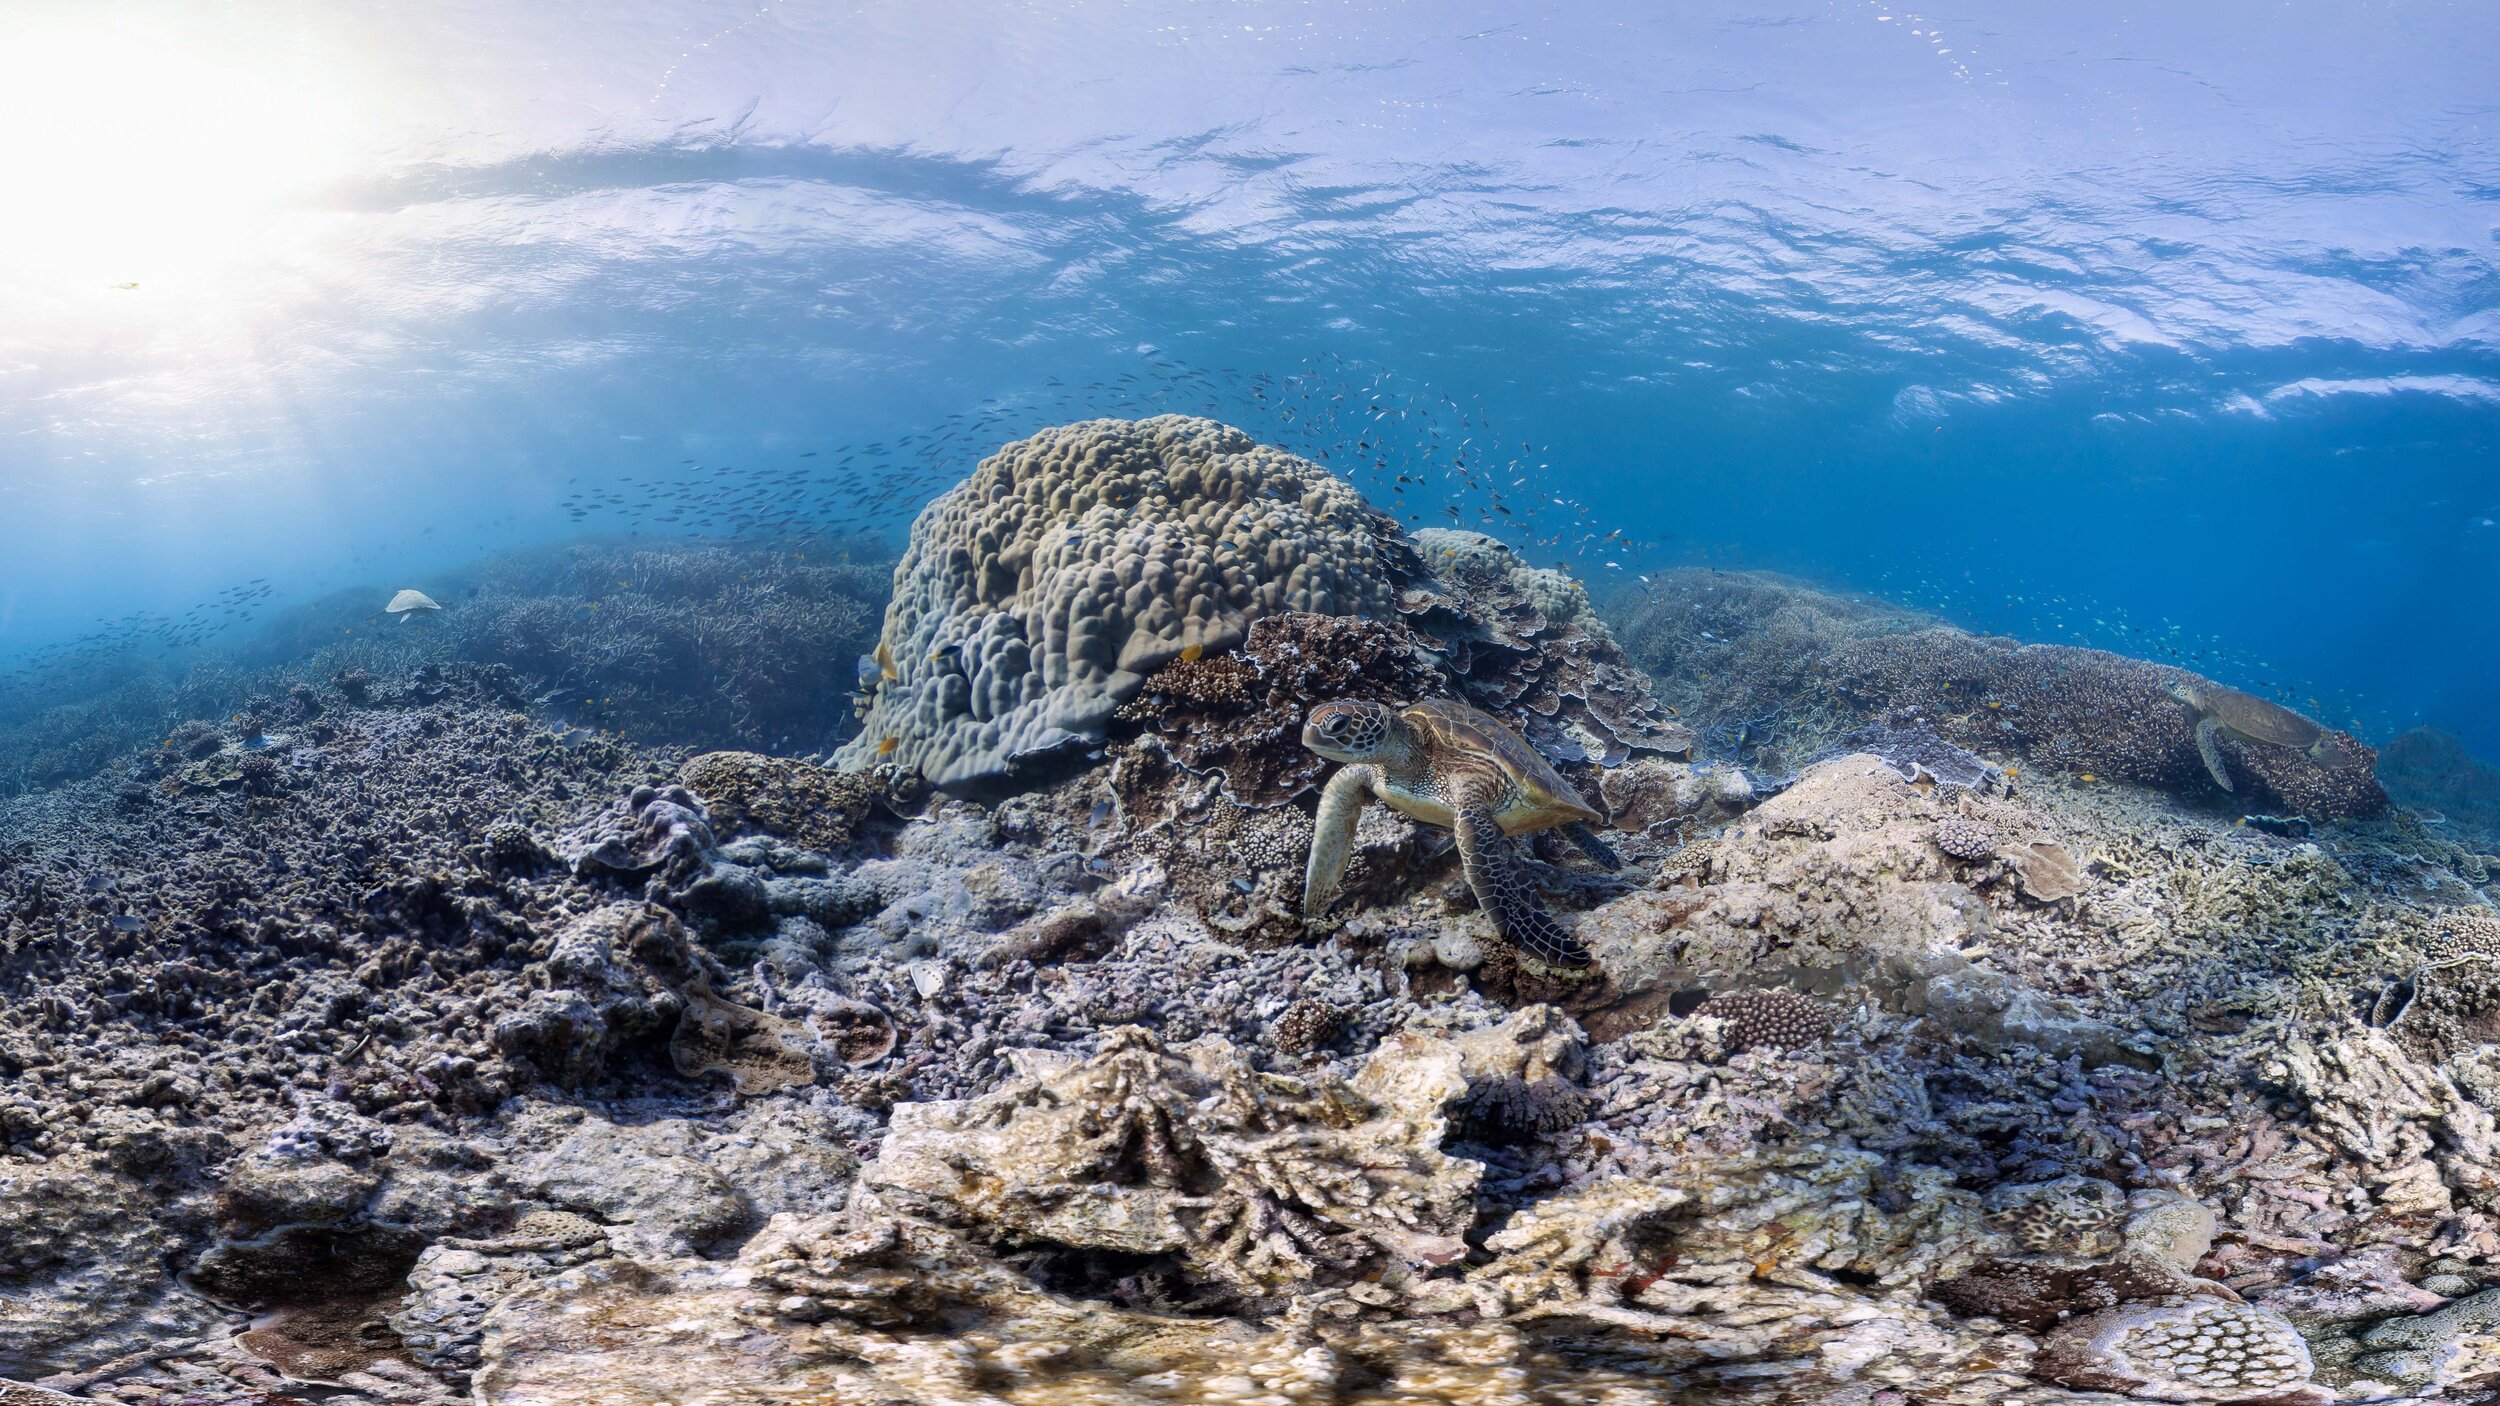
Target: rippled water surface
x=2168, y=328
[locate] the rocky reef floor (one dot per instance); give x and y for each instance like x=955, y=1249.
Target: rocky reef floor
x=420, y=1046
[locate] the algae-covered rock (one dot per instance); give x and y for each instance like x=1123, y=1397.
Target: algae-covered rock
x=84, y=1269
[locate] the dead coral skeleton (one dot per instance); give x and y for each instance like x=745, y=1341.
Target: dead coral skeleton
x=1253, y=1181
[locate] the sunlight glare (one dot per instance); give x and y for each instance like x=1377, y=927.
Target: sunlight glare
x=154, y=159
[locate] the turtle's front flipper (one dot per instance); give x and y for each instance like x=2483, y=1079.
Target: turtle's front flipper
x=1332, y=835
x=1504, y=890
x=1585, y=836
x=2209, y=747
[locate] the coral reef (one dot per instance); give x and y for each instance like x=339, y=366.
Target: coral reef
x=1239, y=716
x=2430, y=771
x=1836, y=886
x=1036, y=596
x=1964, y=838
x=813, y=807
x=697, y=643
x=1742, y=657
x=1776, y=674
x=397, y=1038
x=2191, y=1350
x=1779, y=1020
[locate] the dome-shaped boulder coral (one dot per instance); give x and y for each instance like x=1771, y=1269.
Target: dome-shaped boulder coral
x=1036, y=596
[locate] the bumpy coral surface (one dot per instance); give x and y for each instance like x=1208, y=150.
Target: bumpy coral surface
x=1780, y=1020
x=1036, y=596
x=814, y=806
x=1964, y=838
x=2191, y=1350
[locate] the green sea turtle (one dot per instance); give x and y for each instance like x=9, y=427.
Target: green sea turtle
x=1444, y=763
x=2245, y=718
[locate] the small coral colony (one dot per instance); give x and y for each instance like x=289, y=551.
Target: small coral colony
x=1247, y=950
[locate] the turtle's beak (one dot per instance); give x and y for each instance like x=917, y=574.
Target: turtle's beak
x=1314, y=739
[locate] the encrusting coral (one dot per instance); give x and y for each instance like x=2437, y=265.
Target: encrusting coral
x=814, y=806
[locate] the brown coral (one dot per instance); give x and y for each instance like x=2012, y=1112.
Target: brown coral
x=1240, y=715
x=2450, y=1008
x=1307, y=1026
x=1780, y=1020
x=1527, y=646
x=2045, y=871
x=2461, y=935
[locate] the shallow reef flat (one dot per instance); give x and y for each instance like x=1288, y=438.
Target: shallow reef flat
x=1951, y=1036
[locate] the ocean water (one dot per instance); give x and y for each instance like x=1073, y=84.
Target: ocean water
x=2165, y=328
x=553, y=1014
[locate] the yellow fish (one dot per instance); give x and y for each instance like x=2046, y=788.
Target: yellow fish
x=2011, y=773
x=2090, y=777
x=886, y=748
x=886, y=666
x=1192, y=652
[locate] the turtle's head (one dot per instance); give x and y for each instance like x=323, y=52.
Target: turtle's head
x=1348, y=731
x=2185, y=691
x=2336, y=752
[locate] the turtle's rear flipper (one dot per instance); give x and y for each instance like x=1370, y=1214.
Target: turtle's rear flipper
x=1586, y=838
x=1504, y=890
x=2209, y=747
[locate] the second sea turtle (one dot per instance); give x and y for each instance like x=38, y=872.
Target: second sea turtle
x=410, y=604
x=1444, y=763
x=2246, y=718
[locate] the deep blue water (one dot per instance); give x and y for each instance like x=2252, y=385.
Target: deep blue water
x=2171, y=328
